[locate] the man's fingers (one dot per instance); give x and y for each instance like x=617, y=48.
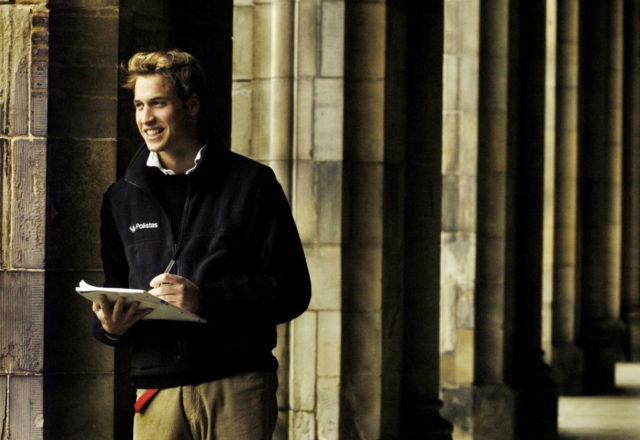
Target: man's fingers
x=102, y=305
x=118, y=307
x=132, y=311
x=135, y=313
x=117, y=318
x=103, y=301
x=142, y=313
x=163, y=278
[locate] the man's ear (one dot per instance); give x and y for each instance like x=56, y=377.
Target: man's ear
x=193, y=104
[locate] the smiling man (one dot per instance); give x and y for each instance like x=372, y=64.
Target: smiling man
x=224, y=223
x=167, y=125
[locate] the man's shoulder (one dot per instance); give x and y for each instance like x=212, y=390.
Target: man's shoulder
x=117, y=185
x=119, y=190
x=244, y=166
x=243, y=160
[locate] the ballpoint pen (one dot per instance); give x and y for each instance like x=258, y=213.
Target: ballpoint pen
x=170, y=266
x=172, y=262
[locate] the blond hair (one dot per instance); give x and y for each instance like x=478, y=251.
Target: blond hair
x=181, y=69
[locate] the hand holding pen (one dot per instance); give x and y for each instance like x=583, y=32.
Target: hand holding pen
x=168, y=270
x=175, y=289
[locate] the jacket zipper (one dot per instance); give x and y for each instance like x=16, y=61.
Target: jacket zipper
x=177, y=245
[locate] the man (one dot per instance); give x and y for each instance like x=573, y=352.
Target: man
x=237, y=261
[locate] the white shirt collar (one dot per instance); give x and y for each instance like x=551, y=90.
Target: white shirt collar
x=154, y=161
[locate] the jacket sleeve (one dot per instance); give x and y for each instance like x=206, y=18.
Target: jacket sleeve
x=114, y=262
x=279, y=286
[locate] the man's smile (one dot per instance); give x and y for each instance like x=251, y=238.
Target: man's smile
x=151, y=132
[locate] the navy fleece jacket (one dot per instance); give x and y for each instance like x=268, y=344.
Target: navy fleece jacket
x=238, y=243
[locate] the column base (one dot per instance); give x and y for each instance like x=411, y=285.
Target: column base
x=632, y=320
x=567, y=368
x=494, y=413
x=481, y=412
x=602, y=344
x=422, y=420
x=537, y=407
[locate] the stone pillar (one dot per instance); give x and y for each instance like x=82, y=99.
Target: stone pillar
x=23, y=147
x=287, y=100
x=261, y=124
x=263, y=57
x=566, y=356
x=537, y=401
x=262, y=100
x=548, y=204
x=475, y=329
x=421, y=151
x=318, y=129
x=83, y=121
x=373, y=237
x=365, y=266
x=261, y=128
x=631, y=184
x=602, y=332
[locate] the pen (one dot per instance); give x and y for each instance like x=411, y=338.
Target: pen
x=172, y=262
x=170, y=266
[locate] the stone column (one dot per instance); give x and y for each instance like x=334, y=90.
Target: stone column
x=318, y=205
x=537, y=406
x=602, y=332
x=287, y=98
x=372, y=296
x=631, y=184
x=548, y=204
x=262, y=116
x=459, y=214
x=82, y=131
x=317, y=346
x=475, y=263
x=420, y=148
x=566, y=356
x=263, y=61
x=23, y=147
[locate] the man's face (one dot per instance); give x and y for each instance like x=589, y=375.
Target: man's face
x=165, y=123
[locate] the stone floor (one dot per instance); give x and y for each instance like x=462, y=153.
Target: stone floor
x=610, y=417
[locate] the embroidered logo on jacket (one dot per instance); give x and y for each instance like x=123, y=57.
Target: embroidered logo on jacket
x=137, y=226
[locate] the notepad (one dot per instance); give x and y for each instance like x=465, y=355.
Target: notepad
x=162, y=310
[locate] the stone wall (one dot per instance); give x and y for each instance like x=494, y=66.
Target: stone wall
x=23, y=129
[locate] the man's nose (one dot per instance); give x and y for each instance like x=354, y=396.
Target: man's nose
x=147, y=115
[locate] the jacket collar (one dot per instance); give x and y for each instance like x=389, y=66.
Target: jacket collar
x=140, y=174
x=153, y=160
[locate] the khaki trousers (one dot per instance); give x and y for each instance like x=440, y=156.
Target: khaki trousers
x=241, y=407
